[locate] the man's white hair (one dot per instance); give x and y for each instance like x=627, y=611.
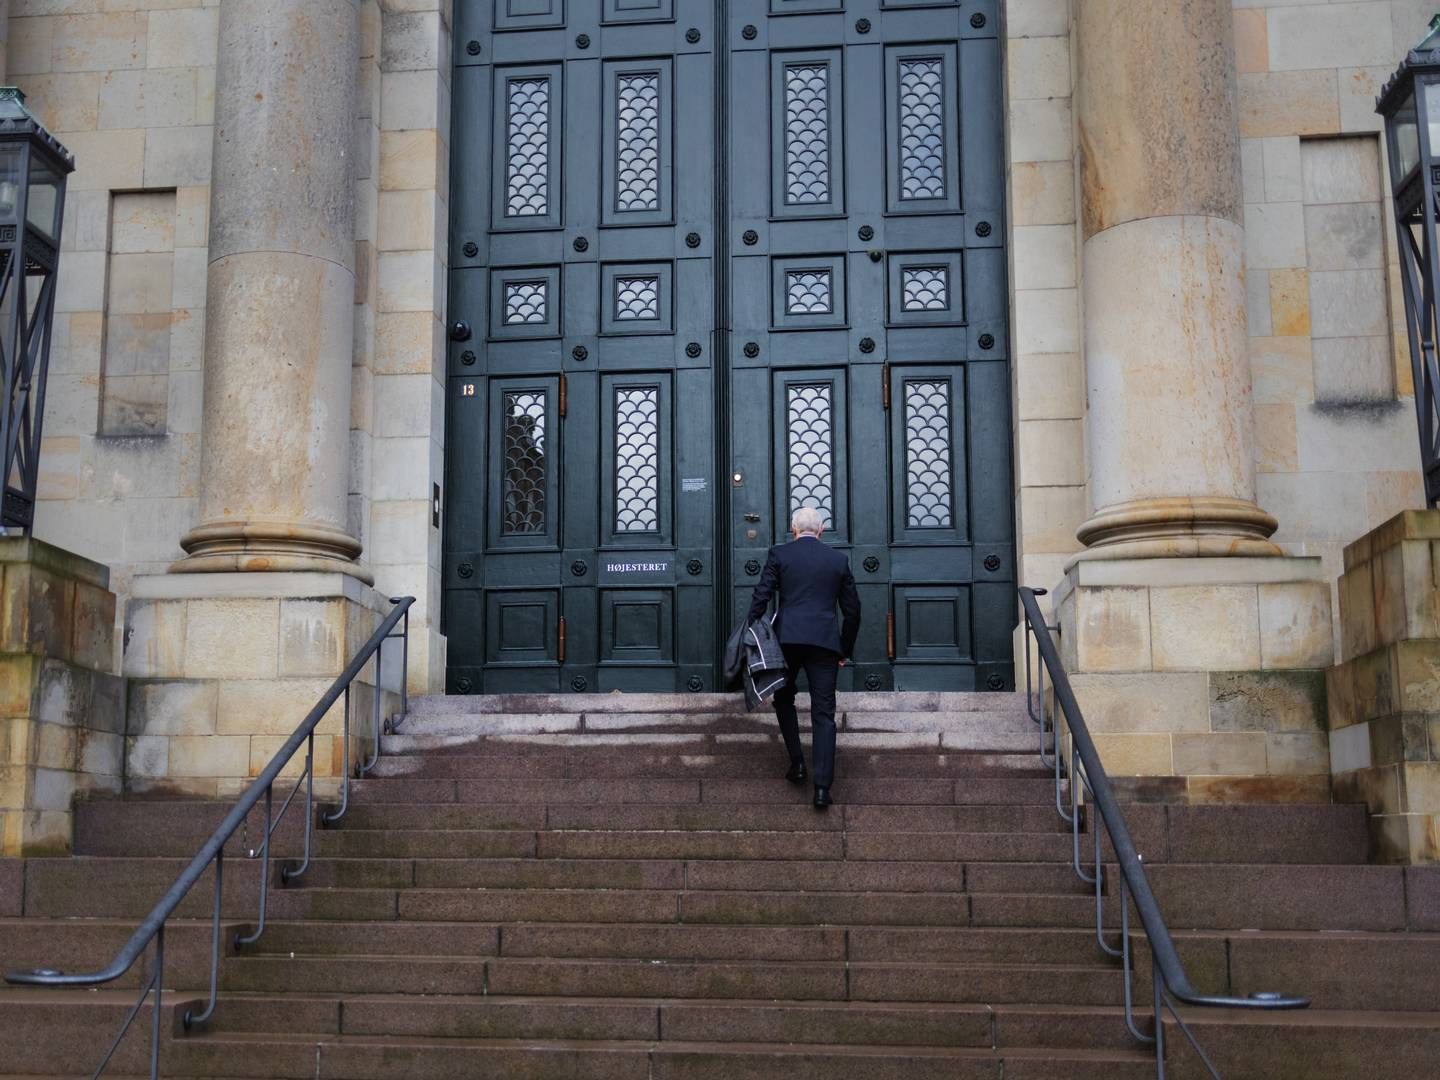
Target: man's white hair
x=808, y=521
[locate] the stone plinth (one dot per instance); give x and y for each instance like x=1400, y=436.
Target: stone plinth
x=223, y=667
x=1385, y=693
x=60, y=700
x=1202, y=679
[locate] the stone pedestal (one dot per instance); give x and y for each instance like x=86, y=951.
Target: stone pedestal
x=223, y=667
x=1385, y=692
x=60, y=701
x=1202, y=679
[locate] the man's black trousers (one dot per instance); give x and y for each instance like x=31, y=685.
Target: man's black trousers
x=821, y=666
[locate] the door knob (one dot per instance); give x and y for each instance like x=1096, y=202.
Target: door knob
x=460, y=330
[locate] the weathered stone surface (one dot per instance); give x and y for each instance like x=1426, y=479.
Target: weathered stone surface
x=1168, y=363
x=1205, y=628
x=1268, y=701
x=1112, y=629
x=1134, y=161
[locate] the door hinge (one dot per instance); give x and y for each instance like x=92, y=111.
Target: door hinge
x=560, y=641
x=890, y=635
x=885, y=386
x=564, y=397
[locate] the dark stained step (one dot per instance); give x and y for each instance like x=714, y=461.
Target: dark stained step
x=1312, y=1044
x=736, y=764
x=691, y=844
x=672, y=942
x=1374, y=971
x=712, y=702
x=805, y=980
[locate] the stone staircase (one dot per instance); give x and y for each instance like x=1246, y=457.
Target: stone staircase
x=623, y=887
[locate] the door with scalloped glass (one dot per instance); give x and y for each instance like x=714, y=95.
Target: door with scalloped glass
x=868, y=296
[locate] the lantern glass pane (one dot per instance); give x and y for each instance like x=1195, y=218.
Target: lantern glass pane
x=42, y=205
x=1404, y=140
x=12, y=162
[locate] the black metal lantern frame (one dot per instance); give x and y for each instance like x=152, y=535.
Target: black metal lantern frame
x=34, y=168
x=1410, y=104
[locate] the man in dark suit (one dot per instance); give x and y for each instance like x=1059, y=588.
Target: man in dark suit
x=810, y=579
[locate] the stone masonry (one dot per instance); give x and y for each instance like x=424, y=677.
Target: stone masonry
x=61, y=703
x=1384, y=702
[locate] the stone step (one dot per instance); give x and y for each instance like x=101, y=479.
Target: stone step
x=1007, y=749
x=973, y=728
x=791, y=980
x=684, y=756
x=1313, y=1044
x=731, y=703
x=941, y=791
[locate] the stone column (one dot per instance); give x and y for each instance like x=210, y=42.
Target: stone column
x=1170, y=427
x=279, y=312
x=1201, y=674
x=4, y=35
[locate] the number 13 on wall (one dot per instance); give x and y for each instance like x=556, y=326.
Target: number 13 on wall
x=467, y=389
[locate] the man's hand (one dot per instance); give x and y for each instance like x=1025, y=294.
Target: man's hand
x=843, y=662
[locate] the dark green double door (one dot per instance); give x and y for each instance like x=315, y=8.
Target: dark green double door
x=713, y=262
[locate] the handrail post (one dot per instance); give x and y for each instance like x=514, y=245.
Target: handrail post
x=1157, y=977
x=376, y=710
x=189, y=1020
x=250, y=939
x=333, y=816
x=159, y=990
x=405, y=669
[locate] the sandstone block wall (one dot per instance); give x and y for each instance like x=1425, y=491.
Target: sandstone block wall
x=1203, y=680
x=1384, y=695
x=221, y=669
x=61, y=705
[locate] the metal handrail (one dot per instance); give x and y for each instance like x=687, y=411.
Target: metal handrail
x=1168, y=975
x=213, y=850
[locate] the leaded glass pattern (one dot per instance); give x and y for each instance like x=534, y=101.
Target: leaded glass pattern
x=925, y=288
x=637, y=460
x=922, y=128
x=522, y=489
x=637, y=298
x=637, y=138
x=527, y=148
x=526, y=302
x=807, y=134
x=810, y=427
x=808, y=292
x=928, y=481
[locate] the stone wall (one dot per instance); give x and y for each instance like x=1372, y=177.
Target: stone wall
x=1336, y=450
x=131, y=92
x=222, y=668
x=129, y=87
x=61, y=704
x=1202, y=680
x=1384, y=695
x=1049, y=377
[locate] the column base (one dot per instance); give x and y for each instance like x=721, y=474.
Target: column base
x=1203, y=679
x=228, y=547
x=1184, y=527
x=223, y=667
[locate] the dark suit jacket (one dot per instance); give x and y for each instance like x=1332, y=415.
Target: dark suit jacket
x=810, y=578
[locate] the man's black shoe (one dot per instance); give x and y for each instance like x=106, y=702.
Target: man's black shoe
x=822, y=798
x=797, y=774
